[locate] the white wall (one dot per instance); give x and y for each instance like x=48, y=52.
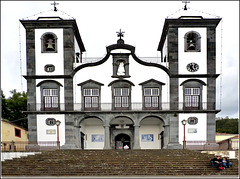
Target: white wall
x=43, y=59
x=102, y=73
x=201, y=127
x=89, y=131
x=42, y=128
x=150, y=129
x=187, y=57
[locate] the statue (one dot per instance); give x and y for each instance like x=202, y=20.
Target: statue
x=121, y=69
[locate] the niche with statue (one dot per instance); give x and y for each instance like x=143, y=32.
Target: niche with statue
x=120, y=65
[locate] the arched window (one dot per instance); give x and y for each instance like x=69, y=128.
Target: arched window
x=50, y=95
x=192, y=41
x=49, y=43
x=192, y=93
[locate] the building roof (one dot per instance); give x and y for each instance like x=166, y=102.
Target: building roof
x=230, y=138
x=53, y=19
x=9, y=122
x=226, y=134
x=50, y=15
x=191, y=13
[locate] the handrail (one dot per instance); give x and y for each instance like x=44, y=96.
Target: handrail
x=164, y=106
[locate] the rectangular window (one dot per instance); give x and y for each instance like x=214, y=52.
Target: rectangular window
x=121, y=97
x=151, y=97
x=17, y=132
x=192, y=97
x=91, y=98
x=50, y=98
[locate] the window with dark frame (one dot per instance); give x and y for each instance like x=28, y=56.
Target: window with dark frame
x=121, y=97
x=192, y=97
x=17, y=132
x=151, y=97
x=51, y=99
x=91, y=98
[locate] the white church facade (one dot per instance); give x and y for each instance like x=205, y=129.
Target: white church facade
x=121, y=99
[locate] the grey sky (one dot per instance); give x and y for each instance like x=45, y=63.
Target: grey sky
x=142, y=22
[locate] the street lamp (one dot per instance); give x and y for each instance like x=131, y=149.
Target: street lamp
x=184, y=122
x=58, y=142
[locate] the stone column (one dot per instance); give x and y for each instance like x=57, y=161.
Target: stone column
x=136, y=137
x=106, y=137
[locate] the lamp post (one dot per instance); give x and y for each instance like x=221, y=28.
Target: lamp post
x=184, y=122
x=58, y=142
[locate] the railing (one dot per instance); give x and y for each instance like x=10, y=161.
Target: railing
x=156, y=60
x=202, y=145
x=129, y=107
x=20, y=146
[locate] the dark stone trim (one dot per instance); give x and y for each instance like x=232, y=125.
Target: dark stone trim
x=90, y=81
x=33, y=24
x=121, y=80
x=152, y=80
x=46, y=76
x=122, y=112
x=49, y=81
x=185, y=23
x=121, y=46
x=196, y=80
x=194, y=75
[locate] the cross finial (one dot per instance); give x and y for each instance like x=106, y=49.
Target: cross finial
x=185, y=7
x=120, y=34
x=54, y=4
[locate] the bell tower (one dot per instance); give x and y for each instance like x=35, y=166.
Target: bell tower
x=188, y=44
x=53, y=42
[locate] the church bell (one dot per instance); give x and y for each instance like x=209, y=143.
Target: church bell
x=50, y=45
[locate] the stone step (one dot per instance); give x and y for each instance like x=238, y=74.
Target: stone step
x=112, y=162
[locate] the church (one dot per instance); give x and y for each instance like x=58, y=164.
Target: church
x=121, y=99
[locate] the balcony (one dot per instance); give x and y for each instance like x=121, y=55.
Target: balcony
x=109, y=107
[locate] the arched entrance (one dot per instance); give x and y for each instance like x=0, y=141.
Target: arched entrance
x=152, y=133
x=121, y=140
x=91, y=133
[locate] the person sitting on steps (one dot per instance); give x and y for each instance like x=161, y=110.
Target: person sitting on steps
x=216, y=161
x=126, y=147
x=225, y=163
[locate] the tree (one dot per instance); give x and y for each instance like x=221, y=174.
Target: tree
x=229, y=126
x=5, y=111
x=13, y=107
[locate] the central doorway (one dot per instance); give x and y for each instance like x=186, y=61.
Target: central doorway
x=121, y=140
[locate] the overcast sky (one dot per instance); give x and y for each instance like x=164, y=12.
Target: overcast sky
x=142, y=22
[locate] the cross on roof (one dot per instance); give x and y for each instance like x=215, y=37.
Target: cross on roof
x=54, y=4
x=185, y=7
x=120, y=34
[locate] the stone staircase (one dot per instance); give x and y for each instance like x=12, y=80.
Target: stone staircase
x=115, y=163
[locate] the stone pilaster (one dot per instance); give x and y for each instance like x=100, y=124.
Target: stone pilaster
x=107, y=137
x=136, y=137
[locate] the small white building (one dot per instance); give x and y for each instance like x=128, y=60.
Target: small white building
x=121, y=98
